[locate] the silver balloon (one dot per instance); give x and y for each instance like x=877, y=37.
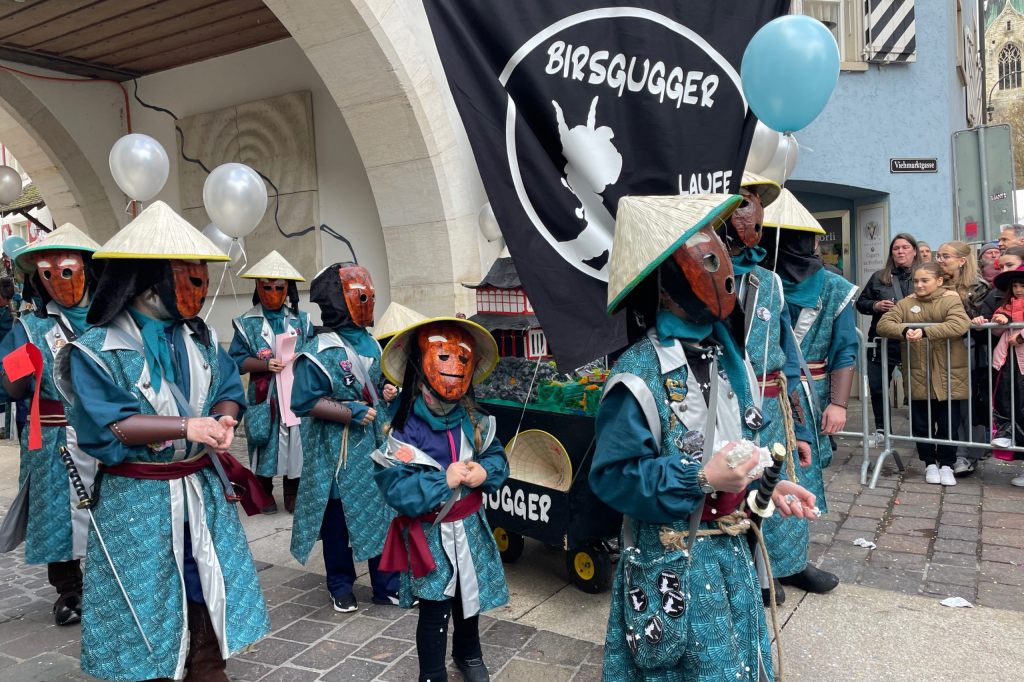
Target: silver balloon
x=10, y=184
x=762, y=148
x=784, y=161
x=235, y=198
x=139, y=165
x=488, y=223
x=234, y=248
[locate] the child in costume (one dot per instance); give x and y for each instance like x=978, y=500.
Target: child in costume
x=1007, y=361
x=59, y=269
x=686, y=603
x=440, y=459
x=771, y=348
x=338, y=389
x=275, y=449
x=155, y=399
x=935, y=387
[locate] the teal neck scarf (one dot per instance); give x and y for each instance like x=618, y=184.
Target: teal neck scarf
x=438, y=422
x=156, y=347
x=360, y=340
x=75, y=316
x=806, y=293
x=275, y=318
x=671, y=328
x=747, y=259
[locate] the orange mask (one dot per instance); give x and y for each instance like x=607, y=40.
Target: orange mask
x=746, y=220
x=708, y=269
x=62, y=274
x=359, y=293
x=448, y=359
x=272, y=293
x=191, y=282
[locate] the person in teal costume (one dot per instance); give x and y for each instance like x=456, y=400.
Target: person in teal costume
x=337, y=390
x=153, y=392
x=60, y=273
x=443, y=449
x=683, y=609
x=274, y=449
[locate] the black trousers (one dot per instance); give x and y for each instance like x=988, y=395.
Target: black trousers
x=432, y=636
x=942, y=412
x=875, y=383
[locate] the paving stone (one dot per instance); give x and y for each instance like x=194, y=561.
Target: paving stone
x=272, y=651
x=953, y=559
x=285, y=614
x=863, y=511
x=873, y=500
x=904, y=543
x=922, y=499
x=317, y=597
x=886, y=559
x=306, y=631
x=306, y=581
x=943, y=590
x=359, y=630
x=858, y=523
x=324, y=655
x=327, y=614
x=1007, y=537
x=959, y=533
x=909, y=525
x=994, y=519
x=48, y=639
x=948, y=506
x=950, y=518
x=588, y=673
x=276, y=575
x=279, y=594
x=496, y=656
x=519, y=670
x=548, y=647
x=836, y=508
x=355, y=670
x=289, y=674
x=508, y=634
x=907, y=582
x=846, y=570
x=245, y=671
x=996, y=505
x=1005, y=574
x=405, y=627
x=1006, y=555
x=960, y=546
x=850, y=534
x=913, y=510
x=920, y=487
x=953, y=575
x=383, y=649
x=47, y=667
x=1001, y=596
x=404, y=669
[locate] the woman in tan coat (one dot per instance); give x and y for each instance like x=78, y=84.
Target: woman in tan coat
x=935, y=361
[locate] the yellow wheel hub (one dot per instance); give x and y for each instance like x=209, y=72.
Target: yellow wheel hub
x=501, y=539
x=584, y=565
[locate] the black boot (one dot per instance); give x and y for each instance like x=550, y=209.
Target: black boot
x=473, y=670
x=267, y=483
x=780, y=594
x=291, y=491
x=812, y=579
x=204, y=663
x=66, y=577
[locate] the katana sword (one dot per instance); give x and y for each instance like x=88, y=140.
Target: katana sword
x=760, y=500
x=85, y=502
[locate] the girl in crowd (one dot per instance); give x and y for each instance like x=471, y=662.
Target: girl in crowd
x=936, y=386
x=1008, y=360
x=1011, y=259
x=883, y=290
x=441, y=458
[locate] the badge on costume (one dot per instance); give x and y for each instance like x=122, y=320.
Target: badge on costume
x=653, y=630
x=673, y=603
x=763, y=314
x=346, y=366
x=668, y=581
x=676, y=389
x=691, y=443
x=753, y=418
x=638, y=599
x=915, y=309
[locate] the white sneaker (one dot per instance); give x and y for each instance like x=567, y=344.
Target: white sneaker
x=946, y=476
x=1002, y=443
x=931, y=474
x=1018, y=481
x=963, y=466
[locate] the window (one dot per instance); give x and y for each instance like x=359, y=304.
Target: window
x=844, y=18
x=1009, y=67
x=501, y=301
x=537, y=344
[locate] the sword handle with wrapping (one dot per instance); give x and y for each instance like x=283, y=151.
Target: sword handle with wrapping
x=84, y=501
x=760, y=500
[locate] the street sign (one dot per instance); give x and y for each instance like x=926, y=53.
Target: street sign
x=913, y=166
x=983, y=179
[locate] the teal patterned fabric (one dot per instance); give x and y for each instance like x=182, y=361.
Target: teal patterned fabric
x=786, y=538
x=249, y=330
x=726, y=632
x=48, y=536
x=135, y=516
x=326, y=465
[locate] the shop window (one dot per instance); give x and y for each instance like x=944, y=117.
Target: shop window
x=1009, y=67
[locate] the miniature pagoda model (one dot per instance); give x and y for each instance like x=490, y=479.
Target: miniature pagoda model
x=504, y=310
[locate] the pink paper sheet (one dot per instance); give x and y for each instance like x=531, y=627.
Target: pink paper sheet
x=286, y=377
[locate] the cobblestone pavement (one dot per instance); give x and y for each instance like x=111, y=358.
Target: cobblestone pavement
x=931, y=541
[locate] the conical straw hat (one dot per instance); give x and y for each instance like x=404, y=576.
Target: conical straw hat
x=396, y=354
x=396, y=318
x=273, y=266
x=649, y=229
x=539, y=458
x=158, y=233
x=66, y=237
x=768, y=190
x=789, y=214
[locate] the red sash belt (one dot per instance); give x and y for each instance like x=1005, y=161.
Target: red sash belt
x=396, y=557
x=51, y=413
x=243, y=480
x=721, y=505
x=819, y=368
x=769, y=387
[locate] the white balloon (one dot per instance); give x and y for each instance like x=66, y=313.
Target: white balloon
x=10, y=184
x=232, y=247
x=235, y=198
x=488, y=223
x=762, y=148
x=139, y=165
x=784, y=161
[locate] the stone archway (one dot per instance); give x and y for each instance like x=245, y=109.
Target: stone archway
x=367, y=54
x=58, y=167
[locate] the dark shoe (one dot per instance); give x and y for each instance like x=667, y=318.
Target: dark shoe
x=346, y=603
x=269, y=509
x=204, y=662
x=291, y=490
x=68, y=609
x=473, y=670
x=812, y=579
x=390, y=600
x=780, y=594
x=267, y=483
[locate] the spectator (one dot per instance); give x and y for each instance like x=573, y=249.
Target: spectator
x=988, y=261
x=924, y=252
x=937, y=375
x=1008, y=360
x=1012, y=235
x=960, y=274
x=1011, y=260
x=883, y=290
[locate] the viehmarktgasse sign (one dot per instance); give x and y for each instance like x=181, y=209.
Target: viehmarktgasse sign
x=913, y=166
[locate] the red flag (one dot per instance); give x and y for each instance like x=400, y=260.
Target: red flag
x=19, y=363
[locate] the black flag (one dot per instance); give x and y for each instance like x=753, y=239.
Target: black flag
x=570, y=105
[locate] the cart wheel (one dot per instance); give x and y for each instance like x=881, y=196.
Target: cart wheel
x=590, y=568
x=510, y=545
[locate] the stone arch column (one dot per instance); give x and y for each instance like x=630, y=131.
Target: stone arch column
x=368, y=55
x=58, y=167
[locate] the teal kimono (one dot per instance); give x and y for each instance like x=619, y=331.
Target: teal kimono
x=274, y=449
x=653, y=399
x=148, y=524
x=464, y=552
x=336, y=457
x=55, y=531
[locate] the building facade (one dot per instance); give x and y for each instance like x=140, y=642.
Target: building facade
x=1004, y=83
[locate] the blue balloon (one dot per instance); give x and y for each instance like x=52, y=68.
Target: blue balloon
x=789, y=70
x=12, y=245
